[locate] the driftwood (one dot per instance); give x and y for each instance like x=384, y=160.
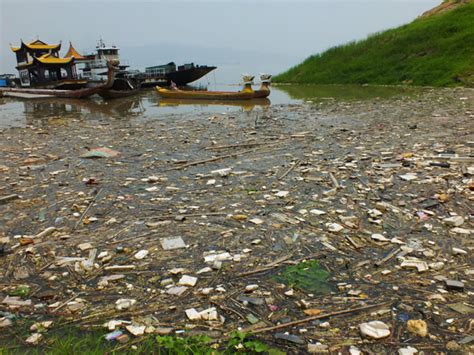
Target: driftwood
x=321, y=316
x=388, y=257
x=228, y=146
x=290, y=169
x=172, y=216
x=267, y=267
x=220, y=157
x=5, y=199
x=86, y=210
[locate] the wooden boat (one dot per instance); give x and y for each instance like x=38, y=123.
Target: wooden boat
x=264, y=91
x=122, y=87
x=247, y=93
x=72, y=94
x=204, y=95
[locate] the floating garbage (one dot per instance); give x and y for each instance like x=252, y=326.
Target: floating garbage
x=328, y=227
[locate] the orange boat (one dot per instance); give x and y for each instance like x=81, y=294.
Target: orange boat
x=247, y=93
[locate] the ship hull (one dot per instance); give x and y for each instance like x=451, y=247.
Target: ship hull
x=186, y=76
x=29, y=93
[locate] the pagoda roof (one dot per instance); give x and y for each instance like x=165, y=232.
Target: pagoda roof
x=48, y=59
x=37, y=45
x=71, y=52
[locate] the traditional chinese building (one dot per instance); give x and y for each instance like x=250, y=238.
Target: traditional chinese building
x=40, y=65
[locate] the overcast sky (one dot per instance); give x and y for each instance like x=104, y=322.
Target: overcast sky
x=245, y=35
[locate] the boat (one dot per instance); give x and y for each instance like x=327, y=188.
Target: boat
x=7, y=80
x=264, y=91
x=33, y=93
x=188, y=73
x=93, y=68
x=93, y=65
x=122, y=87
x=40, y=66
x=246, y=93
x=204, y=95
x=167, y=73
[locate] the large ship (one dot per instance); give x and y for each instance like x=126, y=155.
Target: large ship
x=165, y=74
x=93, y=66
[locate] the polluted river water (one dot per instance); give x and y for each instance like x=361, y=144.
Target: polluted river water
x=148, y=105
x=329, y=219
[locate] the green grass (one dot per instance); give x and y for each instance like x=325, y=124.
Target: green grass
x=74, y=340
x=430, y=51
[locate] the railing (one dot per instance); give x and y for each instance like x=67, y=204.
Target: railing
x=97, y=63
x=148, y=75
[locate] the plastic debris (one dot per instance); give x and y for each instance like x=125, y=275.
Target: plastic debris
x=101, y=153
x=136, y=330
x=290, y=338
x=417, y=327
x=172, y=243
x=374, y=329
x=407, y=351
x=34, y=339
x=113, y=335
x=124, y=303
x=187, y=280
x=141, y=254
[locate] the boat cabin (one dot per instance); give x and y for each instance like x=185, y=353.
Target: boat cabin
x=39, y=64
x=107, y=53
x=161, y=70
x=94, y=66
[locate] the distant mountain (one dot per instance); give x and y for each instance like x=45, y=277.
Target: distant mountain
x=437, y=49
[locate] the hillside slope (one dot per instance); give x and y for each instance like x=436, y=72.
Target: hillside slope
x=436, y=49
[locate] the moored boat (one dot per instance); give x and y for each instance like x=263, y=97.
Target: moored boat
x=73, y=94
x=122, y=87
x=40, y=66
x=188, y=73
x=204, y=95
x=165, y=74
x=247, y=93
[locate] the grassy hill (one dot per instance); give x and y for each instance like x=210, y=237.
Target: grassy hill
x=436, y=49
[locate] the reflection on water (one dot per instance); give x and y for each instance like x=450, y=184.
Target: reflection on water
x=246, y=105
x=46, y=108
x=346, y=92
x=147, y=105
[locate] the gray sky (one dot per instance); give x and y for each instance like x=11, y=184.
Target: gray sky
x=236, y=35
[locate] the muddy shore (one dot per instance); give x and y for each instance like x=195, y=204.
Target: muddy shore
x=379, y=192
